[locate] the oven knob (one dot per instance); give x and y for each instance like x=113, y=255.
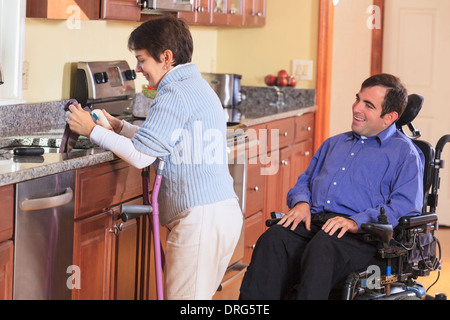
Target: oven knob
x=105, y=77
x=101, y=77
x=130, y=74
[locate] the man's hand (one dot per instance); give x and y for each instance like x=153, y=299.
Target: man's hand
x=336, y=223
x=299, y=213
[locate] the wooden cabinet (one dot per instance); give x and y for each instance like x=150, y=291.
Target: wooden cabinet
x=114, y=257
x=6, y=212
x=255, y=13
x=6, y=270
x=6, y=245
x=129, y=10
x=64, y=9
x=234, y=13
x=283, y=151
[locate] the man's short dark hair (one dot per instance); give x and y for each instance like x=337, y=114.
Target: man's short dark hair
x=396, y=96
x=163, y=33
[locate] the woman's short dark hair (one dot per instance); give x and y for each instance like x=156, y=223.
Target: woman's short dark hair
x=163, y=33
x=396, y=96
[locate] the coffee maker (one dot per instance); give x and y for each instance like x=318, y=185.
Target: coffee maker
x=228, y=88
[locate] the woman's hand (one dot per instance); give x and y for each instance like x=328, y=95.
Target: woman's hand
x=80, y=121
x=116, y=124
x=300, y=213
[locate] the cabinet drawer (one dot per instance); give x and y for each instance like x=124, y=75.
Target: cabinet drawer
x=257, y=136
x=304, y=127
x=105, y=185
x=255, y=187
x=6, y=212
x=283, y=130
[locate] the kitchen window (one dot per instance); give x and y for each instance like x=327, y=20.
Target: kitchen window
x=12, y=28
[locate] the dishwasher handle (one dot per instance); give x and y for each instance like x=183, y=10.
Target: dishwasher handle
x=48, y=202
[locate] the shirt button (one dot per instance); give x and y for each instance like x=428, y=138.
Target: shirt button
x=343, y=169
x=334, y=183
x=328, y=201
x=352, y=154
x=362, y=141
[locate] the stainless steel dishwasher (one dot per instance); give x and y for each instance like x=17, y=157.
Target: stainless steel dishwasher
x=43, y=247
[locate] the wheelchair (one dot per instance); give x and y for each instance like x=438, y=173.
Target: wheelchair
x=408, y=251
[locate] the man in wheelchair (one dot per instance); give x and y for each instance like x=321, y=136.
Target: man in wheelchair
x=357, y=188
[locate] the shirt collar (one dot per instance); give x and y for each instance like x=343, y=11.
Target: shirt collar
x=381, y=138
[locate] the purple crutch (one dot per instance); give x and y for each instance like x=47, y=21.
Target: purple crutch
x=150, y=207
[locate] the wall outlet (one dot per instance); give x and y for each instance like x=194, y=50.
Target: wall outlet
x=303, y=69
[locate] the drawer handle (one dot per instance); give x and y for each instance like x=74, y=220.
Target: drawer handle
x=255, y=188
x=47, y=203
x=285, y=134
x=284, y=162
x=309, y=129
x=307, y=153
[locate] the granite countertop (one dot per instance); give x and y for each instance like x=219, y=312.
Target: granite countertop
x=14, y=169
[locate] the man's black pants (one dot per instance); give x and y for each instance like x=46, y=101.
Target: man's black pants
x=302, y=264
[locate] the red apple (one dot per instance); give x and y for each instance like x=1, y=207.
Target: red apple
x=292, y=81
x=270, y=80
x=282, y=81
x=283, y=73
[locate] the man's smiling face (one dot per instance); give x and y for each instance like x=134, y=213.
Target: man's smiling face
x=367, y=110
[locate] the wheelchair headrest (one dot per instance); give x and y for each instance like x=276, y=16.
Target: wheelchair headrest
x=412, y=109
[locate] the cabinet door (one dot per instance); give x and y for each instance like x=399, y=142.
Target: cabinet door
x=301, y=157
x=236, y=13
x=63, y=9
x=219, y=12
x=201, y=14
x=6, y=270
x=93, y=238
x=6, y=212
x=129, y=10
x=126, y=255
x=254, y=227
x=255, y=13
x=255, y=188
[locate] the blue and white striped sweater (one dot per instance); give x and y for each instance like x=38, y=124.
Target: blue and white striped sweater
x=186, y=125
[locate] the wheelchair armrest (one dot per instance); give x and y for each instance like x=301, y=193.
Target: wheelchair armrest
x=383, y=232
x=409, y=222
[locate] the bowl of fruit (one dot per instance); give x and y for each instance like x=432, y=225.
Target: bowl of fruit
x=282, y=79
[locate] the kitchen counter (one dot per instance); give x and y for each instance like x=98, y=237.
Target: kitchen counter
x=14, y=169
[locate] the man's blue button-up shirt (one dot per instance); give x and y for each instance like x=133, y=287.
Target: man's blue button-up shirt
x=356, y=176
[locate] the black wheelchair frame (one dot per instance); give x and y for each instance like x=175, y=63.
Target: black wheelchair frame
x=410, y=250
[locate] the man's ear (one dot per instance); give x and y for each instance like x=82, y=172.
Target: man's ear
x=390, y=117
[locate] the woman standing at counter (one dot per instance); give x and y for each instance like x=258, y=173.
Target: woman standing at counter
x=197, y=201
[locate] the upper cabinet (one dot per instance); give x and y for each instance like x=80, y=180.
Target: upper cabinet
x=129, y=10
x=121, y=10
x=234, y=13
x=64, y=9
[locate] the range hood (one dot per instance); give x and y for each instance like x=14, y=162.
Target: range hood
x=159, y=6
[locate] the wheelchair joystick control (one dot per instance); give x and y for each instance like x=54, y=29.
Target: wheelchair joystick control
x=381, y=230
x=382, y=218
